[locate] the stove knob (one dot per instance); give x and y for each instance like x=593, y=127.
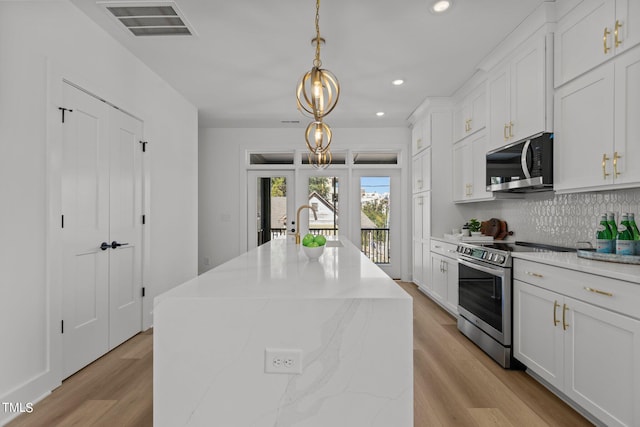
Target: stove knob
x=500, y=258
x=489, y=257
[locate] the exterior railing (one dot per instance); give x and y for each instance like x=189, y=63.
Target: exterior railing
x=375, y=243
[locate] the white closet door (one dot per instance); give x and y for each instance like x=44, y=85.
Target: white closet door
x=85, y=206
x=125, y=266
x=101, y=203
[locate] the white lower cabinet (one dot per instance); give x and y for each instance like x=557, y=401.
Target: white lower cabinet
x=572, y=338
x=443, y=284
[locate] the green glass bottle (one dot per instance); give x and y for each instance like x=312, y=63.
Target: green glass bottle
x=604, y=237
x=611, y=220
x=624, y=240
x=636, y=234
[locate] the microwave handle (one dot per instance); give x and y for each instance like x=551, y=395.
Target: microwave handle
x=523, y=159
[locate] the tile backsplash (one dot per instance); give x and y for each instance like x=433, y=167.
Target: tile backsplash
x=557, y=219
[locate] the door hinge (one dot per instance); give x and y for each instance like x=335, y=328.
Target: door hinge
x=62, y=221
x=143, y=291
x=63, y=111
x=144, y=146
x=144, y=219
x=62, y=326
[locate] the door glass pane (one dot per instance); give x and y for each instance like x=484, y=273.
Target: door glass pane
x=375, y=194
x=323, y=197
x=272, y=209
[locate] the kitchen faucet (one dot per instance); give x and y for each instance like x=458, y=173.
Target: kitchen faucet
x=315, y=215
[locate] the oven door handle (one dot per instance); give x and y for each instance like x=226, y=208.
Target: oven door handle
x=488, y=270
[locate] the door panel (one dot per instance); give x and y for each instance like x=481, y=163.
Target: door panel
x=376, y=217
x=125, y=268
x=277, y=186
x=85, y=206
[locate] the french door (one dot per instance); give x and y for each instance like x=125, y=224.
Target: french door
x=363, y=206
x=101, y=228
x=270, y=205
x=323, y=190
x=377, y=228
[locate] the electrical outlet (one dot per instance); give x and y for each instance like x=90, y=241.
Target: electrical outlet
x=282, y=361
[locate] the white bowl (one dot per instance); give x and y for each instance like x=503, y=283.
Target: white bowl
x=314, y=252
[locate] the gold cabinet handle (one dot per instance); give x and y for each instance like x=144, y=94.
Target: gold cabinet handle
x=506, y=137
x=615, y=164
x=534, y=274
x=617, y=33
x=510, y=129
x=565, y=325
x=604, y=166
x=419, y=183
x=604, y=40
x=419, y=143
x=555, y=318
x=598, y=291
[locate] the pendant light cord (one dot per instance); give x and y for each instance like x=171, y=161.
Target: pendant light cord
x=316, y=62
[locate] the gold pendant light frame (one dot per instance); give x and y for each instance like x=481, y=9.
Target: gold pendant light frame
x=317, y=95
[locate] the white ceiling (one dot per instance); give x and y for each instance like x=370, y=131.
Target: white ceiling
x=242, y=66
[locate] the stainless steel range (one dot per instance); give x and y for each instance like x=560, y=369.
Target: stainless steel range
x=485, y=296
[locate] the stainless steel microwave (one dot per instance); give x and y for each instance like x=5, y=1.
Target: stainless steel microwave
x=523, y=166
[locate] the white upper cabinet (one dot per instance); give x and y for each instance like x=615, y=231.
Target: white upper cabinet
x=597, y=128
x=422, y=171
x=469, y=170
x=418, y=142
x=592, y=33
x=421, y=135
x=469, y=115
x=519, y=92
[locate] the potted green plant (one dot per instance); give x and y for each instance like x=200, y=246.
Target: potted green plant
x=474, y=227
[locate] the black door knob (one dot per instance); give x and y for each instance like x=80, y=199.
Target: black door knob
x=115, y=244
x=104, y=246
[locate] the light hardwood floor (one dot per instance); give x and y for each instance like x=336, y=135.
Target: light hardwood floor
x=455, y=384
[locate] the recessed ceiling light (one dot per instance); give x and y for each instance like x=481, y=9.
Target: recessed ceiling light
x=380, y=113
x=397, y=82
x=440, y=6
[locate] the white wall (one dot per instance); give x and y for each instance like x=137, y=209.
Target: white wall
x=41, y=41
x=221, y=163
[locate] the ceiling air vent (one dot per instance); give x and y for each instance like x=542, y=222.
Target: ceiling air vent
x=149, y=19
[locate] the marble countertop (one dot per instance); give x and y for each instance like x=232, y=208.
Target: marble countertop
x=570, y=260
x=279, y=269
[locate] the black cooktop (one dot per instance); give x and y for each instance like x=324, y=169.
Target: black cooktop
x=528, y=247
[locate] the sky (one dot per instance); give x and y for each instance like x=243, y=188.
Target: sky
x=376, y=184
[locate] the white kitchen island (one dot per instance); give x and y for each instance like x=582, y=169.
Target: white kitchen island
x=351, y=323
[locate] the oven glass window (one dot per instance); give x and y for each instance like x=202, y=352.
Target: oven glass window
x=481, y=295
